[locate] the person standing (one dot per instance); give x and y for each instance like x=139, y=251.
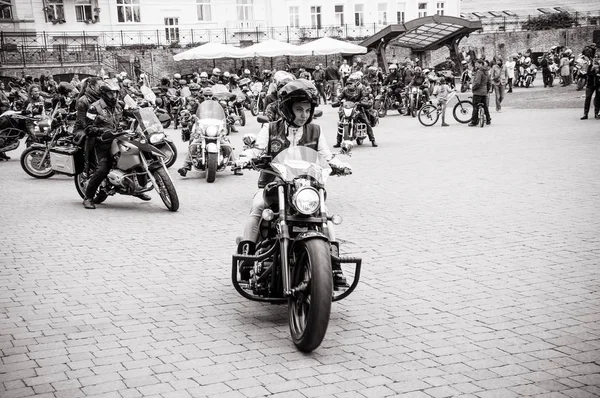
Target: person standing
x=565, y=72
x=345, y=71
x=319, y=78
x=441, y=92
x=481, y=86
x=510, y=71
x=546, y=74
x=499, y=76
x=592, y=86
x=333, y=80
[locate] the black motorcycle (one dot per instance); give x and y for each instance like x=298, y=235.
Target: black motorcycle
x=294, y=254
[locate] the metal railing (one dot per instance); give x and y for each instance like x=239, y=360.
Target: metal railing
x=520, y=23
x=30, y=55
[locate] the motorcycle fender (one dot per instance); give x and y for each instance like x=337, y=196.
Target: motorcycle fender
x=309, y=235
x=212, y=147
x=37, y=145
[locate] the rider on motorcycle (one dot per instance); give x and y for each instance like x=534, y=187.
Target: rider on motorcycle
x=374, y=78
x=204, y=82
x=355, y=92
x=421, y=81
x=215, y=78
x=104, y=118
x=281, y=79
x=395, y=82
x=298, y=100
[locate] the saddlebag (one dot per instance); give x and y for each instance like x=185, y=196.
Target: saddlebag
x=67, y=160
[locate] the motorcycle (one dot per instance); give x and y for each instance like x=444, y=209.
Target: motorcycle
x=386, y=100
x=150, y=99
x=238, y=106
x=448, y=76
x=14, y=126
x=209, y=147
x=138, y=167
x=227, y=101
x=465, y=81
x=350, y=128
x=295, y=252
x=147, y=122
x=175, y=105
x=51, y=132
x=416, y=99
x=530, y=74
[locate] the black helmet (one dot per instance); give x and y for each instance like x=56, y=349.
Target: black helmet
x=109, y=92
x=299, y=90
x=65, y=88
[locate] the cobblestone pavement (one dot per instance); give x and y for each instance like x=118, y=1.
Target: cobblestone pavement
x=481, y=253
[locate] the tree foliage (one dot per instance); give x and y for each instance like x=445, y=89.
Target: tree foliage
x=551, y=21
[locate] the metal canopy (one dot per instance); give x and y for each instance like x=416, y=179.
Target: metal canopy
x=433, y=32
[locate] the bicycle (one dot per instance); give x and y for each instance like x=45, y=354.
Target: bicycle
x=430, y=113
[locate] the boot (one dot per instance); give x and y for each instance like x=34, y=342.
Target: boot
x=4, y=156
x=584, y=117
x=143, y=197
x=373, y=143
x=338, y=141
x=183, y=171
x=88, y=203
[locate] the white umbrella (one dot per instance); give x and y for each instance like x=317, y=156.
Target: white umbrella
x=327, y=46
x=210, y=51
x=273, y=48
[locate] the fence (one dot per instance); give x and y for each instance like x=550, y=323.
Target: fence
x=516, y=23
x=27, y=56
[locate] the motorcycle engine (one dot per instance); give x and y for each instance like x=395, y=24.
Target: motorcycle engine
x=119, y=179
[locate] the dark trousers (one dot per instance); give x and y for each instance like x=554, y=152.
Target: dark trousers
x=104, y=162
x=480, y=99
x=321, y=90
x=510, y=83
x=547, y=77
x=589, y=92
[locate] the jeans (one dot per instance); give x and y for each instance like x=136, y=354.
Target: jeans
x=334, y=89
x=589, y=93
x=321, y=91
x=499, y=93
x=104, y=162
x=480, y=99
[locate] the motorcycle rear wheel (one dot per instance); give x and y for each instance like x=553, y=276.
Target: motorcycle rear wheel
x=242, y=117
x=166, y=189
x=211, y=166
x=428, y=115
x=309, y=311
x=359, y=141
x=30, y=162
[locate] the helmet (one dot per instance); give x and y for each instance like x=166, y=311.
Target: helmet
x=176, y=76
x=246, y=71
x=226, y=74
x=207, y=93
x=360, y=74
x=372, y=70
x=267, y=73
x=282, y=78
x=418, y=69
x=426, y=71
x=354, y=78
x=203, y=75
x=249, y=140
x=65, y=88
x=194, y=87
x=126, y=82
x=299, y=90
x=109, y=92
x=182, y=82
x=216, y=71
x=235, y=77
x=393, y=67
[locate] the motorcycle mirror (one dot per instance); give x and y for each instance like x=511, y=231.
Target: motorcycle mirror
x=262, y=119
x=318, y=113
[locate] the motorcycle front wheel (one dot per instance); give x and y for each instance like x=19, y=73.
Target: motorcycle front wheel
x=211, y=166
x=383, y=108
x=309, y=310
x=31, y=162
x=166, y=189
x=254, y=108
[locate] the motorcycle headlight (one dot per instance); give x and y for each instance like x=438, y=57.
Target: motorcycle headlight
x=157, y=137
x=306, y=200
x=211, y=131
x=348, y=111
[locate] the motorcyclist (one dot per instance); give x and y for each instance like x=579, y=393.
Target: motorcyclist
x=204, y=82
x=419, y=80
x=355, y=92
x=246, y=74
x=298, y=100
x=104, y=118
x=90, y=93
x=395, y=82
x=281, y=78
x=34, y=105
x=215, y=78
x=374, y=79
x=176, y=81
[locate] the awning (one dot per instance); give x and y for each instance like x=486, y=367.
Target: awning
x=273, y=48
x=433, y=32
x=327, y=46
x=210, y=51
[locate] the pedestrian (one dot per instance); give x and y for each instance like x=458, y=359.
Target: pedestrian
x=441, y=92
x=332, y=75
x=319, y=78
x=592, y=87
x=345, y=71
x=546, y=73
x=499, y=76
x=481, y=86
x=510, y=70
x=565, y=72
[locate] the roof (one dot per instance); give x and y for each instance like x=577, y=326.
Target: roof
x=386, y=34
x=523, y=8
x=433, y=32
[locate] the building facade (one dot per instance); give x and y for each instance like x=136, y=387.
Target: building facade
x=188, y=22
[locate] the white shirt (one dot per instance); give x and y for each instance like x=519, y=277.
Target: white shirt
x=294, y=136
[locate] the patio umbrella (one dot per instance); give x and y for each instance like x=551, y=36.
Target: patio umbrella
x=327, y=46
x=273, y=48
x=210, y=51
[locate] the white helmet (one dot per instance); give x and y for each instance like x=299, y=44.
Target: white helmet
x=177, y=76
x=246, y=71
x=204, y=74
x=226, y=74
x=216, y=71
x=393, y=66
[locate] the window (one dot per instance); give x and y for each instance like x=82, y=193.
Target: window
x=339, y=15
x=171, y=29
x=203, y=10
x=128, y=10
x=358, y=15
x=55, y=10
x=5, y=9
x=382, y=13
x=244, y=10
x=315, y=17
x=294, y=16
x=401, y=13
x=422, y=10
x=83, y=10
x=440, y=8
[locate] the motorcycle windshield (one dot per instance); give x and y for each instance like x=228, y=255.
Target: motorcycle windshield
x=300, y=161
x=148, y=120
x=210, y=109
x=256, y=87
x=239, y=94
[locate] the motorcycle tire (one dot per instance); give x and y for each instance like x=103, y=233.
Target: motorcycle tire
x=211, y=166
x=81, y=181
x=166, y=189
x=41, y=171
x=383, y=108
x=309, y=312
x=464, y=88
x=169, y=149
x=428, y=115
x=413, y=111
x=527, y=83
x=254, y=108
x=359, y=141
x=462, y=111
x=242, y=117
